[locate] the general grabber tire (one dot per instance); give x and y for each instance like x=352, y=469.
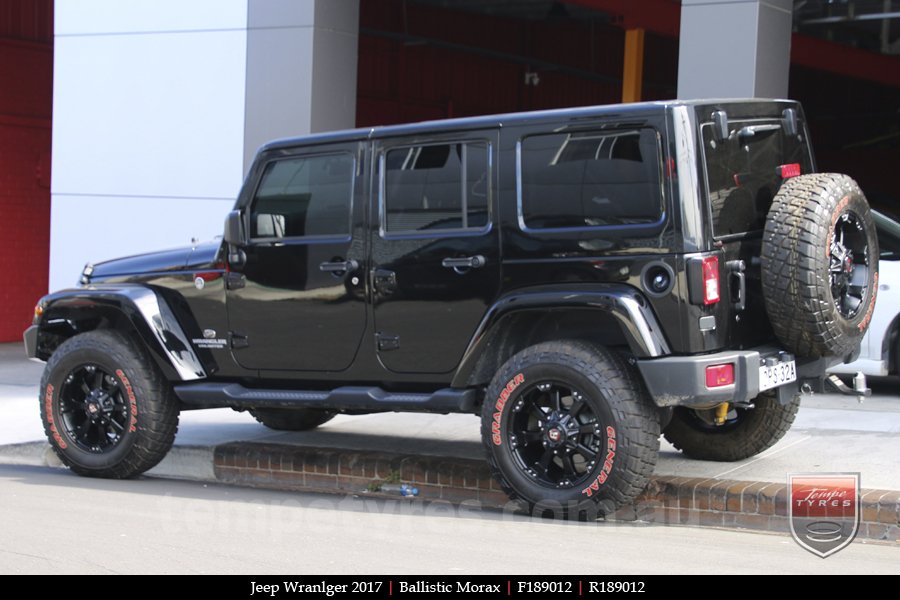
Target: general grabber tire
x=107, y=410
x=291, y=419
x=820, y=265
x=570, y=430
x=746, y=431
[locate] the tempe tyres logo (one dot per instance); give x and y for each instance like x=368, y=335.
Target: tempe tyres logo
x=823, y=510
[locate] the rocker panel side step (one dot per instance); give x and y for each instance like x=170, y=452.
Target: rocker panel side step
x=235, y=395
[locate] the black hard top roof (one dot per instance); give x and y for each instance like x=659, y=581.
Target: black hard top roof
x=464, y=123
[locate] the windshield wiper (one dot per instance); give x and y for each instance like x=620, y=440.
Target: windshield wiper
x=752, y=130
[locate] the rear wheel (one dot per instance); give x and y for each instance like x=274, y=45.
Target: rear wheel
x=291, y=419
x=570, y=430
x=106, y=408
x=745, y=432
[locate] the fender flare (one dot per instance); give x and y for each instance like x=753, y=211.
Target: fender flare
x=625, y=304
x=145, y=310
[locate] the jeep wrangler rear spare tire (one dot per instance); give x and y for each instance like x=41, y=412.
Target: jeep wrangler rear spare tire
x=820, y=265
x=106, y=408
x=746, y=431
x=291, y=419
x=570, y=430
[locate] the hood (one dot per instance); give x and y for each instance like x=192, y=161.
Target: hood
x=175, y=259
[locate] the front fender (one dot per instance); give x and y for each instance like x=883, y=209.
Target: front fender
x=623, y=303
x=140, y=306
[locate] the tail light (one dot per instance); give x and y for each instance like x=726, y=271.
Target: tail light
x=710, y=270
x=719, y=375
x=789, y=170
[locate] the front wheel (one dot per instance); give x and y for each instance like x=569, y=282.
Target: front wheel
x=107, y=410
x=570, y=430
x=745, y=432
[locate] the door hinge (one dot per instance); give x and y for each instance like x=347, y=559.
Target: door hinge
x=385, y=282
x=238, y=341
x=234, y=280
x=387, y=341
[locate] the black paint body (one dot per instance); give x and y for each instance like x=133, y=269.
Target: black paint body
x=399, y=319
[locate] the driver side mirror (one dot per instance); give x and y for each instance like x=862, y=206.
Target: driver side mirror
x=234, y=236
x=234, y=228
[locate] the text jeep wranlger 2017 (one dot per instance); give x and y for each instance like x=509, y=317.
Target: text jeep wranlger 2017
x=584, y=279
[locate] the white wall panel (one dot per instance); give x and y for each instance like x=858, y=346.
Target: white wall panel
x=149, y=115
x=129, y=16
x=93, y=229
x=159, y=106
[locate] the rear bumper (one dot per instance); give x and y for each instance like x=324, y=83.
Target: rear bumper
x=681, y=380
x=30, y=337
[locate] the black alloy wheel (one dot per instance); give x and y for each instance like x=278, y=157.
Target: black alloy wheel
x=849, y=265
x=556, y=437
x=94, y=409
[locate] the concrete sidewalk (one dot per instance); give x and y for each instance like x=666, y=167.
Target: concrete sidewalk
x=443, y=456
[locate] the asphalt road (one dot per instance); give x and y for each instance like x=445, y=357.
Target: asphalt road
x=55, y=522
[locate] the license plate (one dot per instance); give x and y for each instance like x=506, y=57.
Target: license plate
x=776, y=375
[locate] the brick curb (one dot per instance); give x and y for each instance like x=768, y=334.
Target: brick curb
x=754, y=505
x=668, y=500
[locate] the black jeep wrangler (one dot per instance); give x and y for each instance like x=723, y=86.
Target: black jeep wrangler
x=585, y=279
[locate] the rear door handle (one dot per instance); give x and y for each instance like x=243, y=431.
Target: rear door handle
x=338, y=267
x=468, y=262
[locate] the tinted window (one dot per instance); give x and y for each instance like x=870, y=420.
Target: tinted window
x=742, y=174
x=308, y=196
x=438, y=186
x=591, y=179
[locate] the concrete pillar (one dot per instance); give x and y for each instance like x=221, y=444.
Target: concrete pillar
x=160, y=104
x=301, y=69
x=734, y=48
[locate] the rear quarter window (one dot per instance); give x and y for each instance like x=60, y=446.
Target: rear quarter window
x=590, y=179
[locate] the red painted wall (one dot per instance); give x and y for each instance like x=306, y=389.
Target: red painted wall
x=403, y=80
x=855, y=129
x=26, y=84
x=854, y=122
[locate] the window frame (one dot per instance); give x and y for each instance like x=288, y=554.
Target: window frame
x=599, y=132
x=326, y=238
x=435, y=233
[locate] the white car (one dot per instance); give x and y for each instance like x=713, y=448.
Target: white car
x=880, y=348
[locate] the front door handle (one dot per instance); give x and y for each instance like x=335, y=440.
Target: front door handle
x=339, y=266
x=467, y=262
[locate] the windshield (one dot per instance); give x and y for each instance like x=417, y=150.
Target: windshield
x=743, y=173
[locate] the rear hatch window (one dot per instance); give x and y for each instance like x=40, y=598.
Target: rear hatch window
x=743, y=173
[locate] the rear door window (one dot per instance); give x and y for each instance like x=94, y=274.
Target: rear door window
x=589, y=179
x=438, y=188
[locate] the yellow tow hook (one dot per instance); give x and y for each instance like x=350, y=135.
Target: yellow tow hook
x=721, y=413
